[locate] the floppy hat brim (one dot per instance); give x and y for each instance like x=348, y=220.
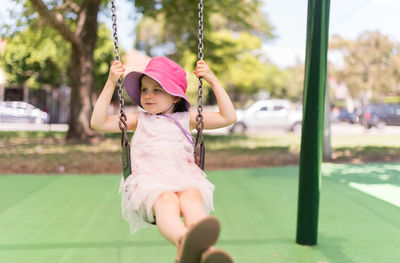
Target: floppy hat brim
x=132, y=86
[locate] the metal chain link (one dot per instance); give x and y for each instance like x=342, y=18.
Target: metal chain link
x=122, y=116
x=199, y=150
x=199, y=117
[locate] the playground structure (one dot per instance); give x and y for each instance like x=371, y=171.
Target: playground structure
x=313, y=121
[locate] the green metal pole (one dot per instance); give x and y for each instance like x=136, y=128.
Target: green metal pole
x=313, y=121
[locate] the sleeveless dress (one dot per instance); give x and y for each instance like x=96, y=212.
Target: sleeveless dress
x=162, y=160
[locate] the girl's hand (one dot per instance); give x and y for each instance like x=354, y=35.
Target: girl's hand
x=116, y=71
x=203, y=70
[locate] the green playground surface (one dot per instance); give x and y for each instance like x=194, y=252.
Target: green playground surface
x=71, y=218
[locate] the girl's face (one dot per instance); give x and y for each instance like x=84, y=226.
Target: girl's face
x=153, y=97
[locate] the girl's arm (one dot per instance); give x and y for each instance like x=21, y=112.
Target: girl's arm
x=100, y=120
x=226, y=114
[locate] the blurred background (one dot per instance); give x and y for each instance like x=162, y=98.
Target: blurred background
x=55, y=57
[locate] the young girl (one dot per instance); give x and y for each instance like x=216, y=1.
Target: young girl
x=165, y=182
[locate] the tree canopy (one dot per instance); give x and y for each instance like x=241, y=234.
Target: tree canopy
x=39, y=55
x=232, y=40
x=177, y=23
x=371, y=65
x=23, y=63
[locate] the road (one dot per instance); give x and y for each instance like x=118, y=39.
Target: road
x=32, y=127
x=336, y=128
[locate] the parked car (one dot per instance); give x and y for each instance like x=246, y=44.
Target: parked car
x=19, y=111
x=379, y=115
x=350, y=117
x=276, y=113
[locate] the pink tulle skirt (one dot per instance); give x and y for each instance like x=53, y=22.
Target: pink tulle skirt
x=154, y=174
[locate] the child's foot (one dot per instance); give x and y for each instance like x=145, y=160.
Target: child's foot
x=216, y=256
x=198, y=239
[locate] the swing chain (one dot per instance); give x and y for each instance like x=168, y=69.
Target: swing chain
x=125, y=146
x=122, y=116
x=199, y=118
x=199, y=145
x=201, y=45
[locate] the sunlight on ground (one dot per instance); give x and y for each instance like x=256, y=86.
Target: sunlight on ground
x=381, y=180
x=387, y=192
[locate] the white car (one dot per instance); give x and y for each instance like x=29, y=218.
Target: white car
x=274, y=113
x=19, y=111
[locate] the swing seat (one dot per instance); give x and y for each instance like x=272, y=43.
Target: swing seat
x=126, y=159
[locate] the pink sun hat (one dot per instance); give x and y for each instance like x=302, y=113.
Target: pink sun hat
x=170, y=76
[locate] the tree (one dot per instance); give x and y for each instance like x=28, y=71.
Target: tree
x=22, y=62
x=39, y=55
x=240, y=68
x=103, y=55
x=370, y=68
x=395, y=70
x=232, y=40
x=293, y=82
x=176, y=24
x=76, y=22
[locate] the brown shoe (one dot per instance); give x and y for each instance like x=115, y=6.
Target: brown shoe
x=198, y=239
x=216, y=256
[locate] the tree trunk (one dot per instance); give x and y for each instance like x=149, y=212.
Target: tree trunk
x=83, y=42
x=80, y=106
x=82, y=79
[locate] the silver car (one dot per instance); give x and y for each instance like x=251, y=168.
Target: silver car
x=274, y=113
x=19, y=111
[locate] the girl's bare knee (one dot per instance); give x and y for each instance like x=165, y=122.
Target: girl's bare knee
x=191, y=194
x=167, y=198
x=191, y=202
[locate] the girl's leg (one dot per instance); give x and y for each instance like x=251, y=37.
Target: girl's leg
x=193, y=210
x=167, y=210
x=192, y=207
x=191, y=204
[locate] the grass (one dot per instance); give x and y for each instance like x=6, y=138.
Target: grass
x=53, y=142
x=43, y=152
